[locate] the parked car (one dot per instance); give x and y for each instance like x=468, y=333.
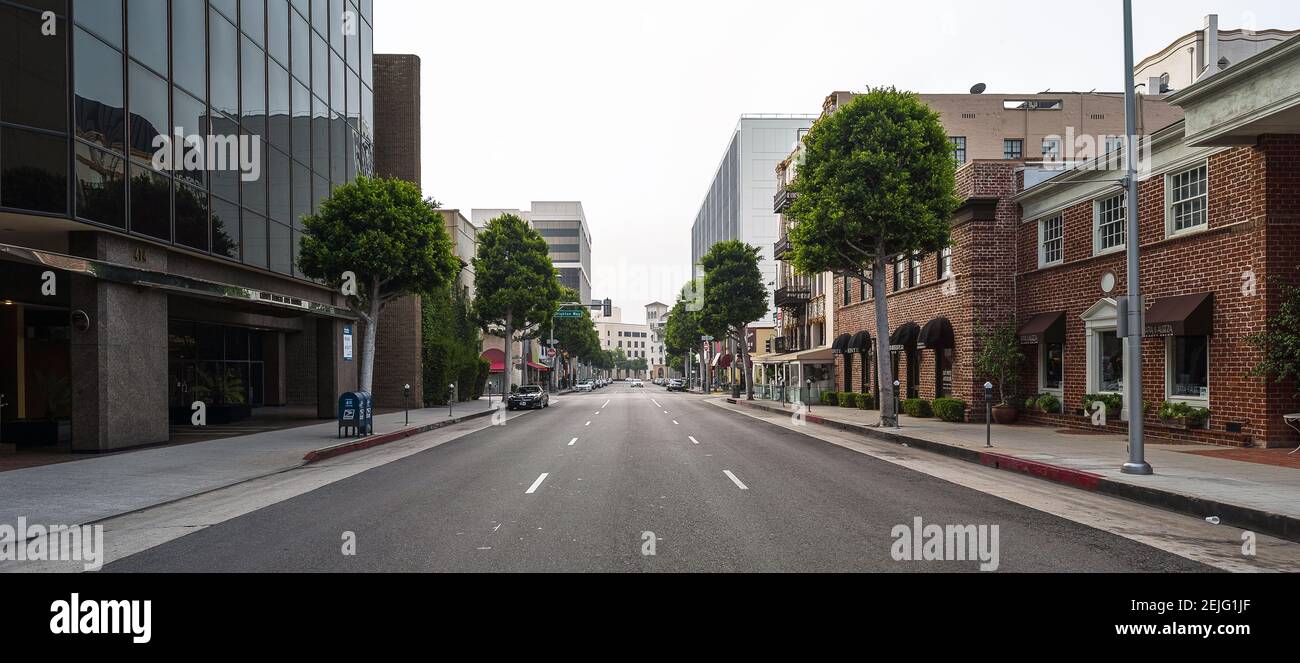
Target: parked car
x=676, y=385
x=529, y=397
x=637, y=384
x=585, y=386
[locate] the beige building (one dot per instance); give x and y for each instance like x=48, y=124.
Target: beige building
x=1202, y=53
x=635, y=340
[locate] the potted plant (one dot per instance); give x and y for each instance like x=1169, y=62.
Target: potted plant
x=1114, y=404
x=1182, y=415
x=1000, y=359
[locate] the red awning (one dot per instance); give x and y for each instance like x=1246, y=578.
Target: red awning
x=537, y=366
x=497, y=358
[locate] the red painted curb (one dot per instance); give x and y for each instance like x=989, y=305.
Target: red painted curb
x=1065, y=475
x=378, y=440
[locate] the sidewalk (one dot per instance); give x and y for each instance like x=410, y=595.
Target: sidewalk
x=98, y=487
x=1250, y=495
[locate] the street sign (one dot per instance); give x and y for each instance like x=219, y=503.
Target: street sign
x=550, y=352
x=567, y=313
x=706, y=339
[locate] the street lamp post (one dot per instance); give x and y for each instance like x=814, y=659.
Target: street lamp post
x=406, y=397
x=1133, y=362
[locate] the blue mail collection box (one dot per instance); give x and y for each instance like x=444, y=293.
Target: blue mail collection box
x=367, y=423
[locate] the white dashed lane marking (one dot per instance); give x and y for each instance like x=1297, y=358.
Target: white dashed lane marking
x=536, y=484
x=730, y=476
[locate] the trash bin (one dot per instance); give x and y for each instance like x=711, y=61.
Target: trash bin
x=735, y=391
x=350, y=413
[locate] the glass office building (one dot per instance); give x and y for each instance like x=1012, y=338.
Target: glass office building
x=157, y=158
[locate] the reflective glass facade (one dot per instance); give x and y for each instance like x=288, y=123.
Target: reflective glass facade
x=273, y=98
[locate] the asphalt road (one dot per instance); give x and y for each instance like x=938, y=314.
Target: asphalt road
x=579, y=486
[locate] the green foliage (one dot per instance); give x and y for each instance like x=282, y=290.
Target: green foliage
x=830, y=398
x=1193, y=415
x=952, y=410
x=918, y=407
x=999, y=359
x=387, y=234
x=451, y=347
x=1046, y=403
x=1279, y=343
x=514, y=279
x=1114, y=403
x=734, y=294
x=216, y=384
x=682, y=330
x=848, y=399
x=577, y=336
x=866, y=401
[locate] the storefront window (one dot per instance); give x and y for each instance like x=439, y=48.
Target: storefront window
x=1110, y=367
x=1053, y=365
x=1189, y=362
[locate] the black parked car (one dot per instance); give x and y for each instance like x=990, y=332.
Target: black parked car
x=676, y=385
x=528, y=397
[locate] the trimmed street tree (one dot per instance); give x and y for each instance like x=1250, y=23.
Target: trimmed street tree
x=516, y=284
x=1279, y=343
x=734, y=296
x=682, y=330
x=577, y=336
x=876, y=183
x=377, y=240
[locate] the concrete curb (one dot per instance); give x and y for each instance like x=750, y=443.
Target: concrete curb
x=370, y=442
x=1235, y=515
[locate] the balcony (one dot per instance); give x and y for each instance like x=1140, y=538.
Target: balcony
x=793, y=298
x=781, y=202
x=781, y=249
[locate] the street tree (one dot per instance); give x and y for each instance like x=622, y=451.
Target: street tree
x=682, y=330
x=876, y=185
x=377, y=240
x=734, y=297
x=577, y=336
x=517, y=289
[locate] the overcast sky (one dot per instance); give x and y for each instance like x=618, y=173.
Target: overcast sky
x=628, y=106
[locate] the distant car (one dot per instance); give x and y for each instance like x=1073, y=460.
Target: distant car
x=676, y=385
x=529, y=397
x=584, y=386
x=637, y=384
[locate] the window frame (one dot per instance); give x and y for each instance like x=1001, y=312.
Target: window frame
x=952, y=140
x=1019, y=152
x=1171, y=346
x=1042, y=241
x=1097, y=248
x=1170, y=203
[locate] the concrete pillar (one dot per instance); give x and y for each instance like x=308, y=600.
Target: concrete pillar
x=119, y=364
x=334, y=375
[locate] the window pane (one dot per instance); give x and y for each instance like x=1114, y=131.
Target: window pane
x=297, y=251
x=227, y=6
x=225, y=229
x=253, y=21
x=338, y=101
x=151, y=203
x=320, y=134
x=320, y=68
x=100, y=101
x=147, y=22
x=301, y=108
x=254, y=240
x=320, y=191
x=255, y=189
x=302, y=198
x=320, y=16
x=148, y=112
x=253, y=81
x=33, y=171
x=35, y=89
x=1191, y=378
x=1111, y=222
x=191, y=217
x=278, y=107
x=223, y=66
x=1188, y=195
x=103, y=17
x=281, y=251
x=281, y=185
x=277, y=30
x=101, y=186
x=1053, y=365
x=1110, y=376
x=190, y=114
x=301, y=44
x=188, y=28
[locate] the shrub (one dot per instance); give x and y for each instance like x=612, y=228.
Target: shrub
x=830, y=398
x=1114, y=403
x=1046, y=403
x=848, y=399
x=866, y=402
x=1193, y=415
x=950, y=409
x=1031, y=403
x=918, y=407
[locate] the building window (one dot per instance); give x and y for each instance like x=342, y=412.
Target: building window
x=1114, y=144
x=1111, y=221
x=958, y=149
x=945, y=263
x=848, y=291
x=914, y=270
x=1013, y=149
x=1052, y=362
x=900, y=273
x=1051, y=241
x=1187, y=199
x=1188, y=365
x=862, y=290
x=1051, y=149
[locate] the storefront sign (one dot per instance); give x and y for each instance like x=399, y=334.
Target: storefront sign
x=347, y=342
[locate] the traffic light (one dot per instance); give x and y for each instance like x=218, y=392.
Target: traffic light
x=609, y=307
x=767, y=346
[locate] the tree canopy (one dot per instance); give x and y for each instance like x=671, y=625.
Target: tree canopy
x=734, y=296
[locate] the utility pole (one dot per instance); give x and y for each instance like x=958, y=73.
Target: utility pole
x=1133, y=308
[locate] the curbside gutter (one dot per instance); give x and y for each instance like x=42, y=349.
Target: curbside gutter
x=372, y=441
x=1236, y=515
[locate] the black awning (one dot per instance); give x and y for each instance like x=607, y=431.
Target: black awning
x=1188, y=315
x=936, y=335
x=861, y=343
x=841, y=344
x=1044, y=328
x=904, y=338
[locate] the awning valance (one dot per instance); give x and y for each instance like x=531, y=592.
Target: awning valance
x=936, y=335
x=861, y=343
x=1186, y=315
x=497, y=358
x=1044, y=328
x=841, y=344
x=722, y=359
x=904, y=338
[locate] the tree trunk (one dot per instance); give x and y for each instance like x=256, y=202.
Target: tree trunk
x=368, y=344
x=510, y=351
x=744, y=366
x=884, y=358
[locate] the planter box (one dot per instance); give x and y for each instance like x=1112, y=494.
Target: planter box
x=218, y=415
x=1183, y=423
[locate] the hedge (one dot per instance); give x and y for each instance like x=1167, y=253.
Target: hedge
x=950, y=409
x=917, y=407
x=866, y=402
x=848, y=399
x=830, y=398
